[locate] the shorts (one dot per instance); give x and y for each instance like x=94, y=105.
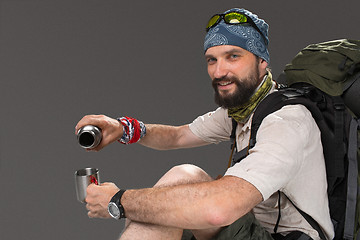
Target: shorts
x=245, y=228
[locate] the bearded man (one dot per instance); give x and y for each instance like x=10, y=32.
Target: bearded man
x=244, y=203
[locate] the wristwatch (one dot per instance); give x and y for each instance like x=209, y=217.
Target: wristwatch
x=115, y=209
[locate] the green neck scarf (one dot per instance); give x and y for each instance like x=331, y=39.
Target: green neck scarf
x=241, y=113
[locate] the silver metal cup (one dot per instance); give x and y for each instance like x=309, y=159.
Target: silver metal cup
x=89, y=136
x=83, y=178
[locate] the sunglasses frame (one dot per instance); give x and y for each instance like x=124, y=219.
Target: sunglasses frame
x=248, y=21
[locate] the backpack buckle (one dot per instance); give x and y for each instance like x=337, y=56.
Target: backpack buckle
x=339, y=106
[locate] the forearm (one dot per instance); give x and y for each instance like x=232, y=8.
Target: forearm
x=164, y=137
x=192, y=206
x=157, y=136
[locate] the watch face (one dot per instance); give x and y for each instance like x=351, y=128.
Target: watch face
x=114, y=210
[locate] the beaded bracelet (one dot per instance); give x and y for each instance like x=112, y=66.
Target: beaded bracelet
x=134, y=130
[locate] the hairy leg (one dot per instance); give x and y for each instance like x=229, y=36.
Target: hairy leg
x=182, y=174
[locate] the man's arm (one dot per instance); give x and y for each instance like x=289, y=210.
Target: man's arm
x=163, y=137
x=157, y=136
x=190, y=206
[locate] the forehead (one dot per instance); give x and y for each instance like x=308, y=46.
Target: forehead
x=225, y=49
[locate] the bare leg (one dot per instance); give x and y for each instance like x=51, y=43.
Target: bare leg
x=143, y=231
x=182, y=174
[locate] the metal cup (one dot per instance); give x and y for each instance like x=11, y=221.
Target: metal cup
x=83, y=178
x=89, y=136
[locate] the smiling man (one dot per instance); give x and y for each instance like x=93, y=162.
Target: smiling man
x=224, y=67
x=283, y=168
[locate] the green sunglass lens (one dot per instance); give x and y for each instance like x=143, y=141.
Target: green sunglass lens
x=212, y=21
x=235, y=18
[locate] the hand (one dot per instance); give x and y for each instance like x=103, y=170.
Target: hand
x=98, y=198
x=111, y=129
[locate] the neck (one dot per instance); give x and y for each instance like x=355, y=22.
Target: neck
x=242, y=113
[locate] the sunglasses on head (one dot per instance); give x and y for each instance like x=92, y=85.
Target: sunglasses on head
x=232, y=18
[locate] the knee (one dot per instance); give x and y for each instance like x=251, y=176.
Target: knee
x=189, y=172
x=183, y=174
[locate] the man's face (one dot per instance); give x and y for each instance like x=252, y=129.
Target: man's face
x=235, y=74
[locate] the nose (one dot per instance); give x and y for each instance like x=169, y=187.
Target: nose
x=220, y=69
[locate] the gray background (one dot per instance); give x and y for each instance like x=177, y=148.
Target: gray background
x=61, y=60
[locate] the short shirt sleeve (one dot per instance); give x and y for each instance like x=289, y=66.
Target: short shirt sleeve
x=212, y=127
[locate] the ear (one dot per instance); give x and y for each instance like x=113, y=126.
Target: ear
x=262, y=66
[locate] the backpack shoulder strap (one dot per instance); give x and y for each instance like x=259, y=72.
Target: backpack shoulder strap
x=272, y=103
x=352, y=186
x=277, y=100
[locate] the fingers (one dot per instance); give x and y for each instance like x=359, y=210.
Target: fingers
x=97, y=211
x=90, y=120
x=98, y=198
x=111, y=129
x=95, y=203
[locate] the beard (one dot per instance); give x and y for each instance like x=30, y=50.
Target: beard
x=245, y=88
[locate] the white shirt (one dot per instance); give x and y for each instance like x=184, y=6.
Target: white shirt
x=288, y=156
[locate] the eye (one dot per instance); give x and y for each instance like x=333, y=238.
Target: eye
x=211, y=60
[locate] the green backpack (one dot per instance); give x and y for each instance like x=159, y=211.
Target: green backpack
x=333, y=67
x=325, y=77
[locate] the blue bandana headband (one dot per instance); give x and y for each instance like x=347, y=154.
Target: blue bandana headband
x=242, y=35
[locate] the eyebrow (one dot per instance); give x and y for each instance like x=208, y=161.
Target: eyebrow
x=209, y=56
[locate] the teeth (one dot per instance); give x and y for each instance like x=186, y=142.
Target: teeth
x=224, y=83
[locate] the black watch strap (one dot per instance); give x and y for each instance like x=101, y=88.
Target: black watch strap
x=117, y=200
